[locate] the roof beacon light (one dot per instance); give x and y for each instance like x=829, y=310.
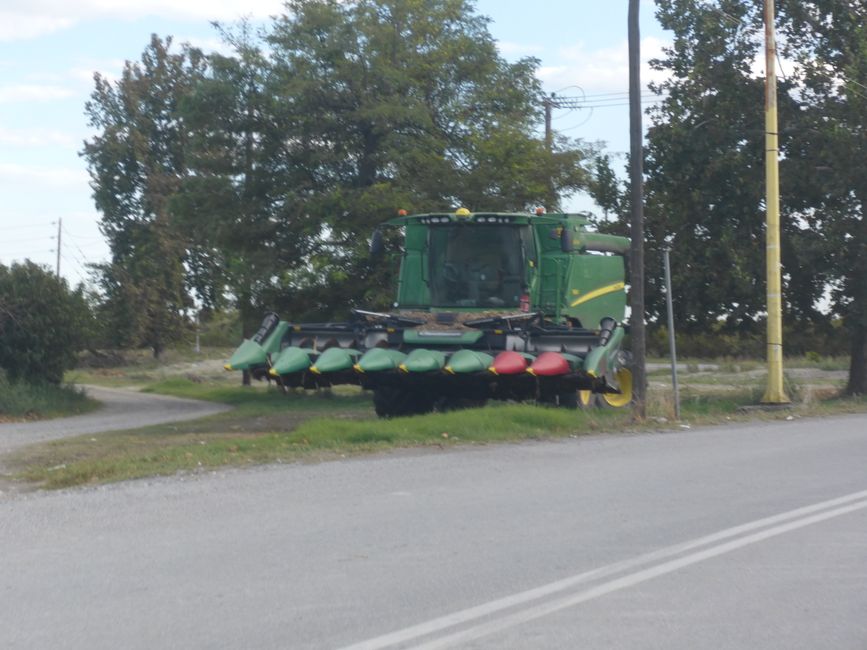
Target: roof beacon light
x=462, y=212
x=540, y=211
x=401, y=213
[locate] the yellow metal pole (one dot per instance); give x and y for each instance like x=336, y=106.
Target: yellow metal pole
x=775, y=393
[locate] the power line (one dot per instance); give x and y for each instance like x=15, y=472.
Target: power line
x=19, y=255
x=645, y=99
x=614, y=94
x=27, y=240
x=78, y=248
x=75, y=270
x=603, y=100
x=616, y=104
x=29, y=225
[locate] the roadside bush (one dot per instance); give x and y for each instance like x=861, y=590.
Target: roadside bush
x=25, y=400
x=43, y=324
x=815, y=340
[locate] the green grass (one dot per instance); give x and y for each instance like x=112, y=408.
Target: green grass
x=21, y=400
x=266, y=426
x=165, y=450
x=262, y=398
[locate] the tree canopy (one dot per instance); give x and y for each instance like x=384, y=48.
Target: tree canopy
x=705, y=166
x=258, y=175
x=828, y=38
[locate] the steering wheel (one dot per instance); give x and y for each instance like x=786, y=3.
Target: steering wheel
x=488, y=273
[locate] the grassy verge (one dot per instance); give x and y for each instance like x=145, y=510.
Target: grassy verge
x=23, y=401
x=268, y=427
x=296, y=435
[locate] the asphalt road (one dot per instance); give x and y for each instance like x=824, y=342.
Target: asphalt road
x=733, y=537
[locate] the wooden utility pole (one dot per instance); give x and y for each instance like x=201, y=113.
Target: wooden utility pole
x=774, y=393
x=59, y=231
x=636, y=182
x=550, y=102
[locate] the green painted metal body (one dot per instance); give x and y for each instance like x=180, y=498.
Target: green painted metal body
x=465, y=362
x=292, y=359
x=585, y=284
x=423, y=360
x=380, y=360
x=471, y=286
x=251, y=354
x=425, y=337
x=335, y=360
x=602, y=358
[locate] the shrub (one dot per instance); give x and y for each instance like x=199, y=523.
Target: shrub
x=24, y=399
x=43, y=324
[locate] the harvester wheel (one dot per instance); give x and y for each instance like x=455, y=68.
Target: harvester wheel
x=580, y=399
x=624, y=398
x=395, y=401
x=460, y=403
x=587, y=399
x=568, y=400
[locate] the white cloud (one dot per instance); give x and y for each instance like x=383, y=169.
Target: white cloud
x=36, y=138
x=510, y=48
x=33, y=92
x=21, y=24
x=604, y=70
x=16, y=176
x=41, y=17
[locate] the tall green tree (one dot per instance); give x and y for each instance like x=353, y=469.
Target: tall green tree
x=405, y=103
x=238, y=205
x=705, y=163
x=256, y=176
x=829, y=40
x=137, y=161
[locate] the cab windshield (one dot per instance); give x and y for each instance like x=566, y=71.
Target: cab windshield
x=475, y=265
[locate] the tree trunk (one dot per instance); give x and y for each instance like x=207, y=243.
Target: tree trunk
x=858, y=363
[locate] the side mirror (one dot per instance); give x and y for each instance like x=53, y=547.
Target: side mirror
x=377, y=246
x=566, y=240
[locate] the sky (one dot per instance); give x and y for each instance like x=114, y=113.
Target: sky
x=50, y=49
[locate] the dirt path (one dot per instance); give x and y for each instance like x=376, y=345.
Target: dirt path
x=122, y=409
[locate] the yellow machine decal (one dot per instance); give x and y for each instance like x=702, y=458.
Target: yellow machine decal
x=601, y=291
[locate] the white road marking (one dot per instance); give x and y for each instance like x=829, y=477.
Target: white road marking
x=630, y=580
x=797, y=518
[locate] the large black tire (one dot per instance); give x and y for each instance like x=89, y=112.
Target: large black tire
x=571, y=399
x=458, y=403
x=577, y=399
x=396, y=401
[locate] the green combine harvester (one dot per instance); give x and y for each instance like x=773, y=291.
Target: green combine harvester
x=506, y=306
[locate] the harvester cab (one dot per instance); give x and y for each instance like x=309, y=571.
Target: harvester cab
x=489, y=306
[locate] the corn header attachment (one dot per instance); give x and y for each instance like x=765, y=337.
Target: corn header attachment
x=489, y=306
